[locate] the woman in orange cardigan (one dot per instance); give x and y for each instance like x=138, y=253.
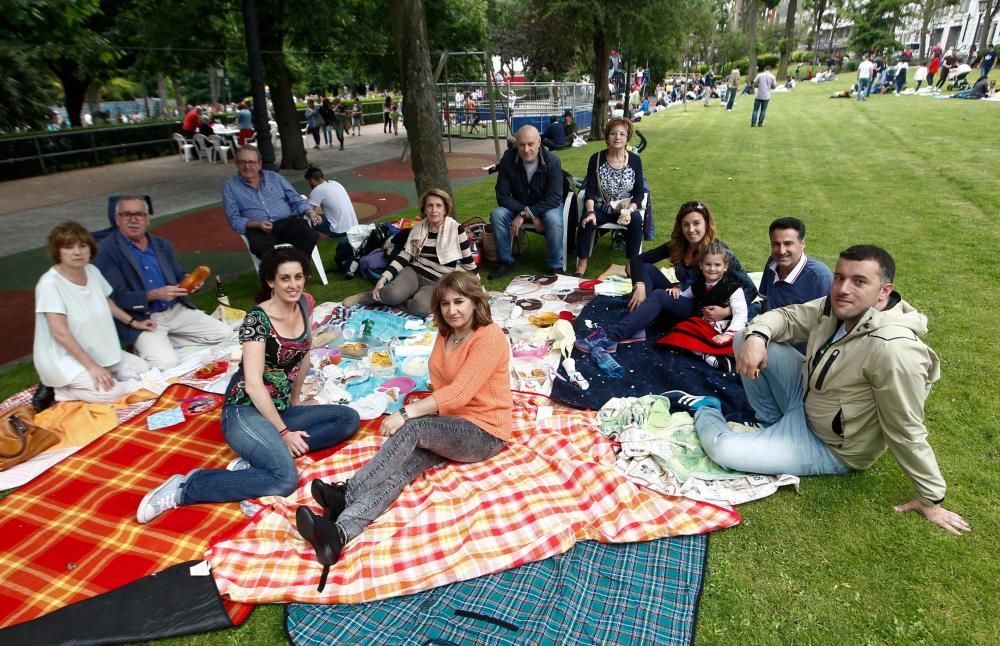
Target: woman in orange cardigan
x=467, y=419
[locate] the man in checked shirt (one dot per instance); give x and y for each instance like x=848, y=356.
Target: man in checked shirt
x=264, y=207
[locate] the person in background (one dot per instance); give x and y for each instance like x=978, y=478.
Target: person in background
x=330, y=199
x=764, y=83
x=554, y=136
x=244, y=120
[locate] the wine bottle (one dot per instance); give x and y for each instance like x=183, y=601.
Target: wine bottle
x=220, y=293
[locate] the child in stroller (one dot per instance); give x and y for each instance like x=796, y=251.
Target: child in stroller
x=957, y=78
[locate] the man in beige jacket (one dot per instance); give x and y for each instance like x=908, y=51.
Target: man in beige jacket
x=859, y=389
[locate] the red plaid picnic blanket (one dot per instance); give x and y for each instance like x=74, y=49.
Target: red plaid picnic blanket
x=71, y=533
x=552, y=486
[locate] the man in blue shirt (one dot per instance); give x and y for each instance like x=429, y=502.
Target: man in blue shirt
x=554, y=137
x=790, y=277
x=143, y=272
x=263, y=206
x=988, y=60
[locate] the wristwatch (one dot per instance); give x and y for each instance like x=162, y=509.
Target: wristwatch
x=404, y=414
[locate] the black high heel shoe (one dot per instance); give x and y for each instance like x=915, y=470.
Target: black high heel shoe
x=324, y=536
x=332, y=497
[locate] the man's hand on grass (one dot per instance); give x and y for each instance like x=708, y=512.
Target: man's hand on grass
x=947, y=520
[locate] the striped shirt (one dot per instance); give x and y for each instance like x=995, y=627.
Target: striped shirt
x=426, y=263
x=274, y=199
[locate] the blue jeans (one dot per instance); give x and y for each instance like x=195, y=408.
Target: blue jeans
x=863, y=84
x=420, y=444
x=759, y=104
x=256, y=440
x=552, y=220
x=658, y=303
x=730, y=97
x=901, y=80
x=786, y=445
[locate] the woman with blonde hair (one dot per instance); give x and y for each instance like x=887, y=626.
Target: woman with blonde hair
x=467, y=419
x=437, y=246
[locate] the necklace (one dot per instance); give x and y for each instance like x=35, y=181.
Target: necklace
x=458, y=340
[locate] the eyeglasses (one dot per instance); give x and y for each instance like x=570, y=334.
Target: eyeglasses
x=132, y=215
x=695, y=206
x=247, y=162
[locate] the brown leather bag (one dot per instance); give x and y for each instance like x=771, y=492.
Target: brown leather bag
x=20, y=438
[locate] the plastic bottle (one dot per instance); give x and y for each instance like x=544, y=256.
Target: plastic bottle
x=220, y=293
x=607, y=364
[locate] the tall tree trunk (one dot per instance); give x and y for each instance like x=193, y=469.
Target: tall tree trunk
x=602, y=62
x=272, y=39
x=161, y=91
x=423, y=129
x=833, y=32
x=820, y=9
x=74, y=85
x=788, y=46
x=988, y=15
x=752, y=37
x=213, y=84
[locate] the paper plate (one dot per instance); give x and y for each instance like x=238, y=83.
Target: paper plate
x=405, y=385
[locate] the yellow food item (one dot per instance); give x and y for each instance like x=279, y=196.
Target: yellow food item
x=196, y=277
x=381, y=359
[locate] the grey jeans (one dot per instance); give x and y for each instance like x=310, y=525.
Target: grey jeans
x=408, y=290
x=420, y=444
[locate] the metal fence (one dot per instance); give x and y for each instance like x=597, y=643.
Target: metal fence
x=516, y=105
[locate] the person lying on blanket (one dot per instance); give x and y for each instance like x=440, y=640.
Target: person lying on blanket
x=76, y=349
x=438, y=245
x=467, y=419
x=262, y=419
x=653, y=296
x=860, y=387
x=708, y=334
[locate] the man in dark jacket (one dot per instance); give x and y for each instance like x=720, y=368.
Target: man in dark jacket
x=529, y=190
x=144, y=275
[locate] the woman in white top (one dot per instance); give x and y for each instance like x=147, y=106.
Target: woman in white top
x=76, y=350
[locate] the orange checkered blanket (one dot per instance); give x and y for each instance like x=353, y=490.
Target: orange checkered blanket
x=71, y=533
x=552, y=486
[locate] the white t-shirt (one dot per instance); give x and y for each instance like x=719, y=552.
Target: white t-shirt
x=88, y=317
x=336, y=204
x=865, y=69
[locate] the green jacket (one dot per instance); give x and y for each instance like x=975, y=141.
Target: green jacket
x=866, y=391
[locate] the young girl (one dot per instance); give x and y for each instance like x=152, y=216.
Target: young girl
x=710, y=333
x=394, y=118
x=356, y=119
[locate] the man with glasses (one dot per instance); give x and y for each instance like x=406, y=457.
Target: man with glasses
x=264, y=207
x=144, y=274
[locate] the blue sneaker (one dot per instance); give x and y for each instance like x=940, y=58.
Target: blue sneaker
x=597, y=339
x=691, y=403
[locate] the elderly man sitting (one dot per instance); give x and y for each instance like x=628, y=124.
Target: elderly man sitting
x=263, y=206
x=529, y=188
x=144, y=275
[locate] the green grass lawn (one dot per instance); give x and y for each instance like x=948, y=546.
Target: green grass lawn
x=834, y=563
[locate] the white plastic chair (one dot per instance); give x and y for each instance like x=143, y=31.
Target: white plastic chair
x=316, y=258
x=205, y=150
x=184, y=147
x=220, y=148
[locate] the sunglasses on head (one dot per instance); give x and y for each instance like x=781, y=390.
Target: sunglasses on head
x=695, y=206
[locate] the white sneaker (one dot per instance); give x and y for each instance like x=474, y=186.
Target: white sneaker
x=239, y=464
x=159, y=500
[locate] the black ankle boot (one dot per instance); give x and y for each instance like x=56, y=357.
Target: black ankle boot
x=332, y=497
x=324, y=536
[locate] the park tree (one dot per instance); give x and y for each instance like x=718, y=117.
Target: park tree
x=927, y=11
x=989, y=13
x=788, y=41
x=423, y=129
x=875, y=24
